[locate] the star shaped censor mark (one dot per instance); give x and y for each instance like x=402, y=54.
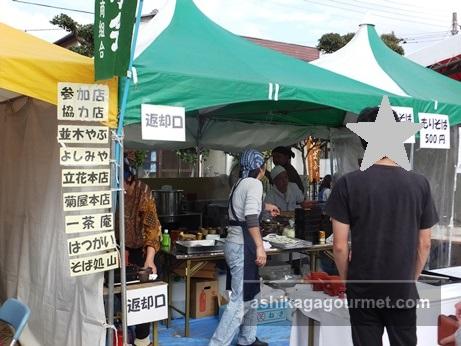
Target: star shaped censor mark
x=385, y=137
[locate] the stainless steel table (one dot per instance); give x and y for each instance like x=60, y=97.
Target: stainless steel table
x=195, y=262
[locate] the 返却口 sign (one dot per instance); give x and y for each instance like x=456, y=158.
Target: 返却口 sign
x=147, y=304
x=163, y=123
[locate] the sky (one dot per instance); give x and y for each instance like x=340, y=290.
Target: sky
x=420, y=22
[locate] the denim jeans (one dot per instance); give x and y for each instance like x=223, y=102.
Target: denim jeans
x=239, y=316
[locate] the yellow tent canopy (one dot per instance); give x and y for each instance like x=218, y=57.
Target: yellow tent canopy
x=33, y=67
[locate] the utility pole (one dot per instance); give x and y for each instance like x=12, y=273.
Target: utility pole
x=454, y=25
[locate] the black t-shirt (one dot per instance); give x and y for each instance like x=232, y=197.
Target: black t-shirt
x=385, y=206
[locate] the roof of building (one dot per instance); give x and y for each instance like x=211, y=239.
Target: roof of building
x=298, y=51
x=304, y=53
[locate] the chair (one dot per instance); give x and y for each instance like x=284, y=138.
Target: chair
x=16, y=314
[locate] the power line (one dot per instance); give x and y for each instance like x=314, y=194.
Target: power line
x=412, y=7
x=377, y=14
x=409, y=38
x=50, y=6
x=426, y=33
x=412, y=10
x=424, y=41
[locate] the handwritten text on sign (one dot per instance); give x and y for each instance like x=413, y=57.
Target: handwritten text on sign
x=89, y=223
x=84, y=156
x=87, y=200
x=163, y=123
x=85, y=177
x=93, y=264
x=83, y=102
x=93, y=243
x=436, y=131
x=405, y=114
x=147, y=304
x=83, y=134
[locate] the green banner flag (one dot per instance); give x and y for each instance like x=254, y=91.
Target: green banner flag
x=113, y=27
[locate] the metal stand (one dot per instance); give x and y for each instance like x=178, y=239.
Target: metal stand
x=121, y=174
x=110, y=301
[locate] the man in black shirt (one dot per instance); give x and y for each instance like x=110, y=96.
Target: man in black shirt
x=389, y=212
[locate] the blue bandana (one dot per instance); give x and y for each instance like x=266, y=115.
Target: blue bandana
x=250, y=160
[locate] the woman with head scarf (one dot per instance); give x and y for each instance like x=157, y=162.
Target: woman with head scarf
x=244, y=253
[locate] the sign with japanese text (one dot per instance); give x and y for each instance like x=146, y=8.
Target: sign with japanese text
x=84, y=156
x=89, y=223
x=147, y=304
x=405, y=114
x=92, y=243
x=112, y=31
x=163, y=123
x=85, y=147
x=435, y=132
x=93, y=264
x=85, y=177
x=83, y=134
x=87, y=200
x=83, y=102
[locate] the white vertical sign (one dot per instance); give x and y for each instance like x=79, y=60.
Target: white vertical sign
x=435, y=132
x=405, y=114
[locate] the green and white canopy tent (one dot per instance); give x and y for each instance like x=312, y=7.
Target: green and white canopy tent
x=236, y=94
x=367, y=59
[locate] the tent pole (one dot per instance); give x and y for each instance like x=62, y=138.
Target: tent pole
x=412, y=155
x=110, y=284
x=330, y=155
x=119, y=156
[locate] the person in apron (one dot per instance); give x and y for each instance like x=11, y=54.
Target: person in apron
x=244, y=253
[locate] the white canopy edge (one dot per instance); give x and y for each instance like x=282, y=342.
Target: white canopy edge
x=357, y=61
x=440, y=51
x=149, y=32
x=229, y=136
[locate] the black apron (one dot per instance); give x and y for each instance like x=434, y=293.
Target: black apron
x=251, y=284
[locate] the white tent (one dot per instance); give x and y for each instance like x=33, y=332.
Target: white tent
x=443, y=57
x=448, y=49
x=34, y=265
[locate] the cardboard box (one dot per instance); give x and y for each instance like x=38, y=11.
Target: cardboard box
x=204, y=298
x=207, y=272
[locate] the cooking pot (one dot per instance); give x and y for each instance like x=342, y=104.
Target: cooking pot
x=168, y=201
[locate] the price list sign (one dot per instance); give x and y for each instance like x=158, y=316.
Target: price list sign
x=86, y=177
x=435, y=132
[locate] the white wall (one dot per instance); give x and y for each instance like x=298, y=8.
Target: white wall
x=216, y=164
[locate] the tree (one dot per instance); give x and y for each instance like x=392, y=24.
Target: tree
x=393, y=42
x=331, y=42
x=82, y=32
